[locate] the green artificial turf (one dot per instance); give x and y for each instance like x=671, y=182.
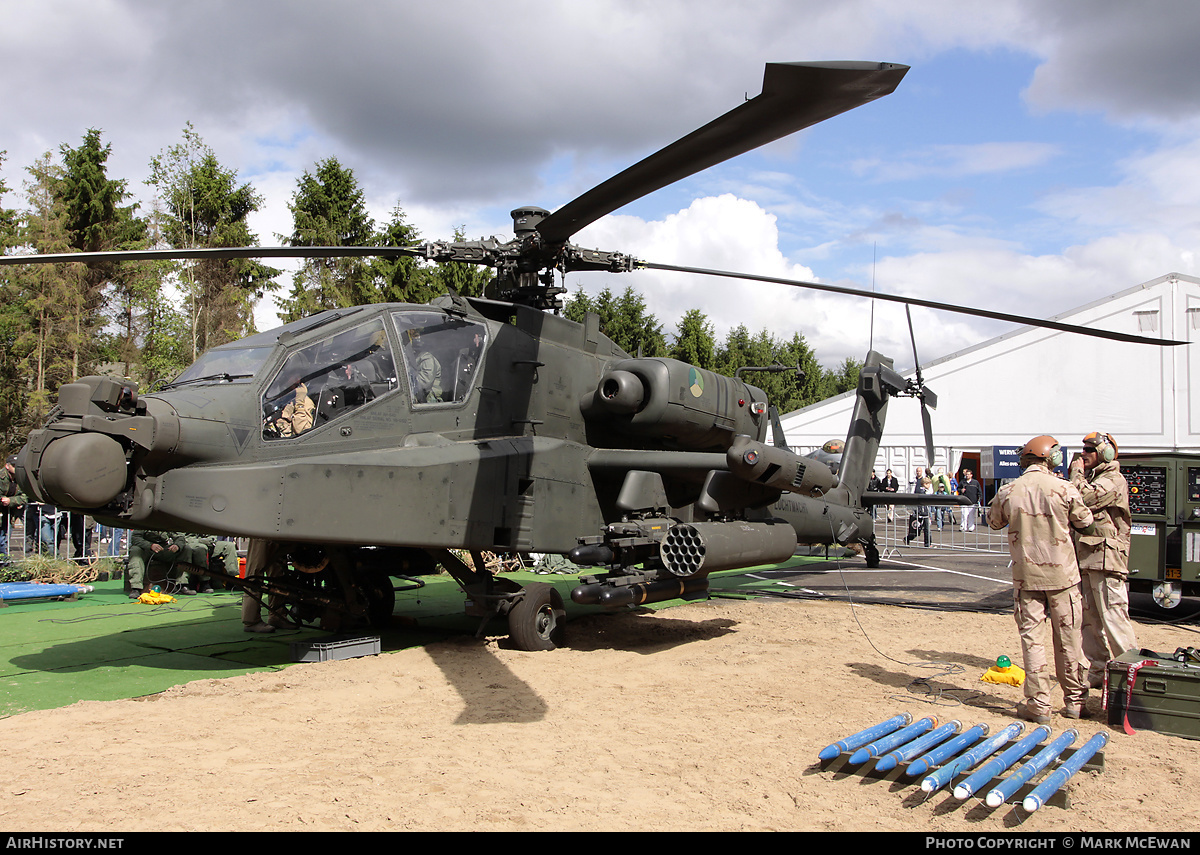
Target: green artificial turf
x=104, y=646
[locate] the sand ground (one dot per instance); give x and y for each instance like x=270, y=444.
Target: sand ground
x=706, y=716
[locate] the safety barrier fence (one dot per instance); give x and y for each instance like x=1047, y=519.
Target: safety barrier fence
x=75, y=537
x=953, y=529
x=59, y=534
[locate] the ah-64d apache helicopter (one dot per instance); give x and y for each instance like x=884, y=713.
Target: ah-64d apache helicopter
x=485, y=424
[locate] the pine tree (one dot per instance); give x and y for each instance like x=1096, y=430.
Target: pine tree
x=456, y=277
x=695, y=343
x=97, y=221
x=401, y=279
x=329, y=209
x=13, y=320
x=842, y=379
x=51, y=294
x=206, y=208
x=788, y=390
x=624, y=319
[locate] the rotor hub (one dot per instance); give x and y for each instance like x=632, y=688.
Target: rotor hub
x=526, y=219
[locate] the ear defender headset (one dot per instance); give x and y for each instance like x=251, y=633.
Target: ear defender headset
x=1105, y=445
x=1045, y=448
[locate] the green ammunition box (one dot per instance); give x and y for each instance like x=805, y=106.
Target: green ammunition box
x=1165, y=696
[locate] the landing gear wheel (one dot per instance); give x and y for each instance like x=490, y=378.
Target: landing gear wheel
x=535, y=622
x=871, y=553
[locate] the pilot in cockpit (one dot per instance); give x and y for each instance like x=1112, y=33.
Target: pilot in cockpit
x=424, y=370
x=299, y=411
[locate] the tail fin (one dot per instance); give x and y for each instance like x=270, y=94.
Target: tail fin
x=866, y=424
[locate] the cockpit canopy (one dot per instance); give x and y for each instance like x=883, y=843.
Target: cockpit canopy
x=321, y=381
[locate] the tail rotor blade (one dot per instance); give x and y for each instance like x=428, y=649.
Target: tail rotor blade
x=925, y=422
x=913, y=338
x=924, y=394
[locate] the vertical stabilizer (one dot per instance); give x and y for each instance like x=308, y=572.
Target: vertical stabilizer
x=866, y=425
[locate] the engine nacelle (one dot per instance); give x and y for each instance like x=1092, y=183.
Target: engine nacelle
x=670, y=400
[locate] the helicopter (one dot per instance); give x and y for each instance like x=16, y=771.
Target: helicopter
x=383, y=441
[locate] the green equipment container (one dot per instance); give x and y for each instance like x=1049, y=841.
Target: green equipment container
x=1164, y=548
x=1165, y=696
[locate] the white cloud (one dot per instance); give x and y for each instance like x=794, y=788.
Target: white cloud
x=956, y=161
x=732, y=234
x=461, y=110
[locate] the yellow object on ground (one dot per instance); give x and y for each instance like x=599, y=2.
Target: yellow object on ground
x=1013, y=675
x=153, y=598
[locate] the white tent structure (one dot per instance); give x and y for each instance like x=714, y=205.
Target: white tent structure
x=1035, y=381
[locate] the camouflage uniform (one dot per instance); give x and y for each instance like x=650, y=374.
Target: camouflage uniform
x=224, y=552
x=209, y=551
x=263, y=558
x=427, y=374
x=1104, y=566
x=1040, y=510
x=299, y=414
x=141, y=553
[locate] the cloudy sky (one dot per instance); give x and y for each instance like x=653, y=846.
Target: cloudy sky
x=1038, y=155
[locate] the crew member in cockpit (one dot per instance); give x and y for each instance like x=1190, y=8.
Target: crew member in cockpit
x=299, y=413
x=425, y=372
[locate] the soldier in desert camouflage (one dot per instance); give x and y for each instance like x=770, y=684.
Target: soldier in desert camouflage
x=1103, y=556
x=1040, y=511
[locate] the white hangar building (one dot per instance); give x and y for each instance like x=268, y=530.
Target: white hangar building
x=998, y=394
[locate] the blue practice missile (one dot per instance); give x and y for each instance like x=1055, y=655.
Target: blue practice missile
x=1043, y=791
x=994, y=767
x=913, y=749
x=882, y=746
x=946, y=751
x=39, y=590
x=945, y=775
x=1003, y=791
x=864, y=736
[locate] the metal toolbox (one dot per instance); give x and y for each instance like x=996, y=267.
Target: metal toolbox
x=1159, y=692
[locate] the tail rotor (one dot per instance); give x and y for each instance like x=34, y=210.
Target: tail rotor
x=917, y=389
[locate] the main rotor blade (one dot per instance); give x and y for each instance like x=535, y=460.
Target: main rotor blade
x=917, y=301
x=795, y=95
x=214, y=254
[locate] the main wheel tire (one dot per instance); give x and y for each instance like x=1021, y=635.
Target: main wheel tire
x=535, y=622
x=381, y=600
x=871, y=553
